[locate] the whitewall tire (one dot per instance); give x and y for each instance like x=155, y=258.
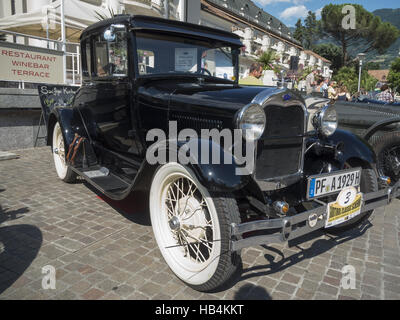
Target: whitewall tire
x=192, y=227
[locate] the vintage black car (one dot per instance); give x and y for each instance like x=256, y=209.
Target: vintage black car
x=143, y=73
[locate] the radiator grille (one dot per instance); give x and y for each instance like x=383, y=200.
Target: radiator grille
x=280, y=149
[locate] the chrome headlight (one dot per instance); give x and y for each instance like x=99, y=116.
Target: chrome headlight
x=251, y=120
x=325, y=121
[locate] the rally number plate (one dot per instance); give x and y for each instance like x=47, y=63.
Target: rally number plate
x=346, y=207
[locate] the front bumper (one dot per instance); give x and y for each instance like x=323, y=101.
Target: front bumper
x=292, y=227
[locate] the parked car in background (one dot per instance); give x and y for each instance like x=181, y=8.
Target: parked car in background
x=143, y=75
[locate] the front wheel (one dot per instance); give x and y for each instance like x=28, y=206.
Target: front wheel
x=192, y=228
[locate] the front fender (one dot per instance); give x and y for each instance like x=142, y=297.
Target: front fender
x=198, y=155
x=352, y=147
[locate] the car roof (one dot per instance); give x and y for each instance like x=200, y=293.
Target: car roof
x=139, y=22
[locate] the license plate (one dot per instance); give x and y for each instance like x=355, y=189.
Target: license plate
x=326, y=184
x=346, y=207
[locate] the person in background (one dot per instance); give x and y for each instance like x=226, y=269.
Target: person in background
x=397, y=96
x=331, y=91
x=343, y=94
x=310, y=82
x=324, y=88
x=384, y=95
x=318, y=88
x=253, y=79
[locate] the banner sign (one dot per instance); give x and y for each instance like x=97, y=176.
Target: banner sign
x=53, y=95
x=30, y=64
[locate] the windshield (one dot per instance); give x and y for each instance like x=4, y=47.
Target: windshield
x=166, y=54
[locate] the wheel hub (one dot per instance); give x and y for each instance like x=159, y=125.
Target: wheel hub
x=395, y=164
x=192, y=217
x=175, y=223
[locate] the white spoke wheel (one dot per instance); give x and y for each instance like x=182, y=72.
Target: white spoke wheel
x=59, y=153
x=192, y=228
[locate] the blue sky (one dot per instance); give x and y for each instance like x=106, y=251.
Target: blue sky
x=289, y=11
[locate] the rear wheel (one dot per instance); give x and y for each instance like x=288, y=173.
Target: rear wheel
x=64, y=172
x=192, y=228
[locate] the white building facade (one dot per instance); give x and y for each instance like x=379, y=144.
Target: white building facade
x=258, y=30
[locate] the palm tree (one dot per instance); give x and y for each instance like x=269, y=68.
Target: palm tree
x=267, y=58
x=111, y=14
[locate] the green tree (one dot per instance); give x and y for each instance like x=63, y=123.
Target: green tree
x=267, y=59
x=310, y=30
x=394, y=75
x=299, y=32
x=348, y=76
x=331, y=52
x=110, y=14
x=370, y=31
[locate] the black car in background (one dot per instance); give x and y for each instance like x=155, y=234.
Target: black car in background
x=143, y=75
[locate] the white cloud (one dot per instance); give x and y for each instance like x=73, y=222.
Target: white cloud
x=267, y=2
x=294, y=12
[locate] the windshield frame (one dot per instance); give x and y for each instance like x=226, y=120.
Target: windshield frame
x=235, y=51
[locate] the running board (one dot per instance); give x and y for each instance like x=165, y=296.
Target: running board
x=104, y=181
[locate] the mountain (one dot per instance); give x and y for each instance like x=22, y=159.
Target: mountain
x=392, y=16
x=387, y=15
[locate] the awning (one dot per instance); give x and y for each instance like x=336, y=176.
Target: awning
x=78, y=16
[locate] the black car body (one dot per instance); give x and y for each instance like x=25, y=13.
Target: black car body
x=102, y=138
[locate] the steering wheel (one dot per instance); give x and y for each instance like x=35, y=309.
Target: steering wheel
x=204, y=70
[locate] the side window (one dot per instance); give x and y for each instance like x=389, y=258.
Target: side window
x=111, y=57
x=86, y=60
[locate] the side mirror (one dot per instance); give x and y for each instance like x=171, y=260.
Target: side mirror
x=109, y=34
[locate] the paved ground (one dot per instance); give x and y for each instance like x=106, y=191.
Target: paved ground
x=106, y=250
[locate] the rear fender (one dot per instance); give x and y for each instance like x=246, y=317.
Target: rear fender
x=70, y=122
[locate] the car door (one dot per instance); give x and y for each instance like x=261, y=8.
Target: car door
x=105, y=100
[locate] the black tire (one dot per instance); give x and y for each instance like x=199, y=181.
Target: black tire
x=230, y=261
x=368, y=183
x=171, y=225
x=381, y=146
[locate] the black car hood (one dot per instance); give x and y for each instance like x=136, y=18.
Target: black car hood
x=215, y=96
x=185, y=96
